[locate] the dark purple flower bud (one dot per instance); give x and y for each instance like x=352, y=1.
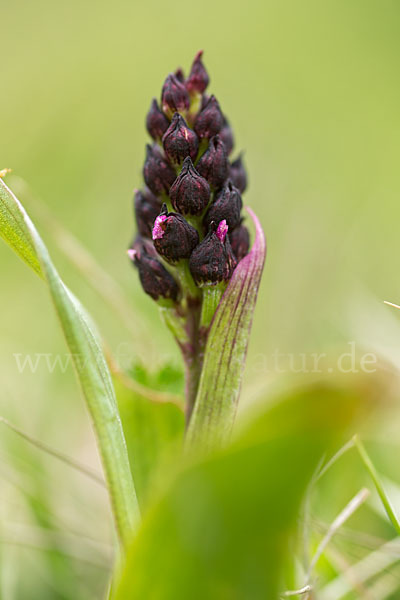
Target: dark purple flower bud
x=142, y=244
x=179, y=141
x=147, y=207
x=238, y=174
x=198, y=78
x=213, y=165
x=232, y=260
x=174, y=96
x=227, y=205
x=190, y=192
x=154, y=277
x=226, y=135
x=240, y=241
x=173, y=237
x=209, y=121
x=179, y=74
x=212, y=261
x=204, y=99
x=156, y=122
x=157, y=172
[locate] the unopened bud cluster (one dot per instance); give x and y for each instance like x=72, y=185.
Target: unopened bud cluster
x=189, y=211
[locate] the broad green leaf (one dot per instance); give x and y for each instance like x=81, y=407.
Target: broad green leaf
x=226, y=349
x=154, y=436
x=18, y=230
x=222, y=528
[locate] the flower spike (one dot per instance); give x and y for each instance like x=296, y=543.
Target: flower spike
x=191, y=239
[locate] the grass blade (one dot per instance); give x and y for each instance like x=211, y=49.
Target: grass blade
x=68, y=460
x=343, y=516
x=377, y=482
x=325, y=468
x=368, y=567
x=304, y=590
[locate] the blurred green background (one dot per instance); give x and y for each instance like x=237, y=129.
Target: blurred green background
x=312, y=91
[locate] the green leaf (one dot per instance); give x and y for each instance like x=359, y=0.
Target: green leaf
x=226, y=349
x=19, y=232
x=154, y=436
x=15, y=231
x=222, y=528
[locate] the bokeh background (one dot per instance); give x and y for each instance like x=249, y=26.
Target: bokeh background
x=312, y=91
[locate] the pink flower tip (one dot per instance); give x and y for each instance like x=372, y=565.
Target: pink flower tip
x=158, y=230
x=222, y=230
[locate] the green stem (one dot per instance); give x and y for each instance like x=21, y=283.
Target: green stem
x=186, y=280
x=196, y=221
x=175, y=324
x=211, y=298
x=193, y=366
x=185, y=330
x=378, y=484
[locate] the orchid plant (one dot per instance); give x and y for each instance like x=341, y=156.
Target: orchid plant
x=192, y=247
x=220, y=522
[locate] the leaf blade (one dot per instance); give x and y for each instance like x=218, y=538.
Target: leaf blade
x=222, y=527
x=91, y=367
x=226, y=349
x=154, y=435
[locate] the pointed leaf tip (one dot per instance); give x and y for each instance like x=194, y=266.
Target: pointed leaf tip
x=14, y=231
x=226, y=349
